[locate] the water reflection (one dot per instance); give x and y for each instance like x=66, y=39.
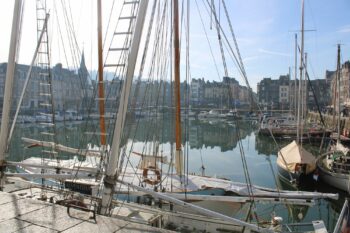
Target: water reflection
x=214, y=143
x=265, y=145
x=210, y=134
x=199, y=134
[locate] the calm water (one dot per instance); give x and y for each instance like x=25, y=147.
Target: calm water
x=214, y=145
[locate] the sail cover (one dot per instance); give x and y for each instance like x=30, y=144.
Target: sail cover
x=293, y=154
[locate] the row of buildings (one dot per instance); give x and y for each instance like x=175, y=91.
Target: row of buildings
x=68, y=89
x=226, y=94
x=281, y=93
x=74, y=90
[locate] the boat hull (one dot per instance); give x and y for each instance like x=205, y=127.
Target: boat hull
x=291, y=133
x=337, y=180
x=302, y=181
x=285, y=175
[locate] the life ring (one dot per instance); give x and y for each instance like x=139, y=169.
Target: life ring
x=148, y=180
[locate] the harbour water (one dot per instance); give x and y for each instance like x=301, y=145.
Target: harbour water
x=221, y=147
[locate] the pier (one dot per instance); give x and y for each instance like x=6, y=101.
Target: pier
x=20, y=212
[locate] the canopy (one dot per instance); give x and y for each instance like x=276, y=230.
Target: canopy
x=294, y=154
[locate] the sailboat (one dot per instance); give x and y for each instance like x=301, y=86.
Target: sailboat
x=293, y=161
x=334, y=166
x=116, y=177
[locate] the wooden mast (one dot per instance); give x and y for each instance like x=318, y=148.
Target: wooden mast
x=178, y=153
x=101, y=100
x=5, y=120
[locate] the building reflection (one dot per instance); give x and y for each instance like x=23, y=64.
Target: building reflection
x=265, y=145
x=198, y=134
x=223, y=134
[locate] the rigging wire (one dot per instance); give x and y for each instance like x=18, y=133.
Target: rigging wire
x=217, y=23
x=122, y=58
x=239, y=64
x=69, y=32
x=206, y=35
x=244, y=75
x=234, y=39
x=187, y=91
x=245, y=169
x=156, y=48
x=74, y=52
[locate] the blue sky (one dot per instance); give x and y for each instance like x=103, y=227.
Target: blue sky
x=328, y=18
x=264, y=30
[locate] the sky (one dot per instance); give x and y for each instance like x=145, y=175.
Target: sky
x=264, y=31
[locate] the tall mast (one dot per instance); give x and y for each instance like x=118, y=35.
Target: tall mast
x=301, y=71
x=295, y=74
x=289, y=87
x=101, y=101
x=111, y=173
x=305, y=87
x=4, y=131
x=338, y=96
x=178, y=153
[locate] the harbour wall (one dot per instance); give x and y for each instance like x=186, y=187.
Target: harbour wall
x=331, y=122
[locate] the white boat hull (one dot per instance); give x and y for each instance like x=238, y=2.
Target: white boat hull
x=337, y=180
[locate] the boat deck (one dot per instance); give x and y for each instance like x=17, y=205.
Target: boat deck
x=19, y=213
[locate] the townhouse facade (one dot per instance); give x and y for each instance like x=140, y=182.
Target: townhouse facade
x=70, y=89
x=226, y=94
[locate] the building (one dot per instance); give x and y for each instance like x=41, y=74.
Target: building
x=329, y=75
x=274, y=94
x=68, y=88
x=345, y=82
x=284, y=96
x=320, y=90
x=86, y=85
x=197, y=91
x=226, y=94
x=344, y=85
x=216, y=93
x=245, y=96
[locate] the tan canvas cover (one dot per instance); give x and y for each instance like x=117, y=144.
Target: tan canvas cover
x=294, y=154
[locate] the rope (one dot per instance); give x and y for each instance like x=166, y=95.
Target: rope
x=206, y=36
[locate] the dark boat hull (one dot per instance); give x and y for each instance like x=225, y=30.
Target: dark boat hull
x=298, y=181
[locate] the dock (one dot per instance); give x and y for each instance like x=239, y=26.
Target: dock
x=20, y=212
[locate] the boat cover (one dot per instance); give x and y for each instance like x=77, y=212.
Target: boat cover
x=292, y=155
